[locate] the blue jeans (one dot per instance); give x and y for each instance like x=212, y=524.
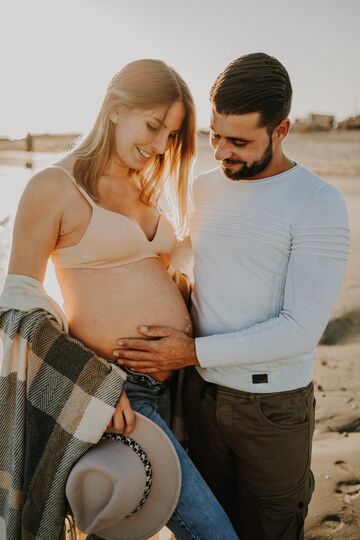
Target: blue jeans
x=198, y=515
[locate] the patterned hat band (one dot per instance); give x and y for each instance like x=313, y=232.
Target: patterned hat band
x=141, y=454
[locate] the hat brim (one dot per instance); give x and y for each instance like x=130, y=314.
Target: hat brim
x=165, y=487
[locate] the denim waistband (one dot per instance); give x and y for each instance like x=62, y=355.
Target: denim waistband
x=142, y=379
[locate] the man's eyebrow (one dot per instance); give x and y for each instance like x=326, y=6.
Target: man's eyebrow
x=232, y=138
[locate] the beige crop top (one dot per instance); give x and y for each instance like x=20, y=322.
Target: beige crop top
x=112, y=239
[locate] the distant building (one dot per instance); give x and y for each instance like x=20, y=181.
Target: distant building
x=315, y=122
x=40, y=142
x=12, y=144
x=53, y=142
x=322, y=121
x=353, y=122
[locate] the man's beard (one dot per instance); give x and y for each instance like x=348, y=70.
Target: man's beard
x=248, y=171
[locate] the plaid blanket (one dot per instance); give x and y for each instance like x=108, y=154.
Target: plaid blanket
x=56, y=399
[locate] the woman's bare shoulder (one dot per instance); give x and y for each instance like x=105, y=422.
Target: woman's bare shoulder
x=51, y=184
x=38, y=221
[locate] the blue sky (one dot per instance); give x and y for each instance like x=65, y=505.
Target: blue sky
x=57, y=56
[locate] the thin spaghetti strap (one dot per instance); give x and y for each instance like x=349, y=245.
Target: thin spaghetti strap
x=80, y=188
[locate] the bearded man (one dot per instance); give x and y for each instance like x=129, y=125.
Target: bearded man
x=270, y=241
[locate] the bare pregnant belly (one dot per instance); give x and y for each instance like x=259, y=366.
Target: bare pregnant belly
x=103, y=305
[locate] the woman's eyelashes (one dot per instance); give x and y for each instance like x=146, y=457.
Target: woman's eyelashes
x=152, y=128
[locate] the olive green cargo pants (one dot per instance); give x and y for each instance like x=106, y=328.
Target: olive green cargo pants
x=254, y=451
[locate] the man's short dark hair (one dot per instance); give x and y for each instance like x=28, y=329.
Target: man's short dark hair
x=254, y=82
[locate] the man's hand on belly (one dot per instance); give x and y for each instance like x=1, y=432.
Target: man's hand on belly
x=169, y=349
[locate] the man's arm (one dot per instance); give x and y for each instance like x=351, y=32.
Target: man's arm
x=313, y=279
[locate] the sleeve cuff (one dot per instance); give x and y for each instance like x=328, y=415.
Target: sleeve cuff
x=218, y=351
x=212, y=351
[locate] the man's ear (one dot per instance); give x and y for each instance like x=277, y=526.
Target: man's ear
x=282, y=129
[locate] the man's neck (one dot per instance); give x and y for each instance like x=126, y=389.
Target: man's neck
x=278, y=165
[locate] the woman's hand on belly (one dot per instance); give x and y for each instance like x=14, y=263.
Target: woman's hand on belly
x=124, y=417
x=171, y=350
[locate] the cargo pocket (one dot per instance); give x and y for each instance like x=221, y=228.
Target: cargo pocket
x=283, y=516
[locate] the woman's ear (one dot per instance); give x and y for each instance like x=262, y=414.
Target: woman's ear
x=119, y=111
x=114, y=116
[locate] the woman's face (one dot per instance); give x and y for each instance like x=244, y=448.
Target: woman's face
x=140, y=135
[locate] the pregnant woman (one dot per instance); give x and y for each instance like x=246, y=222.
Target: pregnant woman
x=96, y=213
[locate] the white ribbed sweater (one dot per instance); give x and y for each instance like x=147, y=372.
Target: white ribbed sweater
x=269, y=258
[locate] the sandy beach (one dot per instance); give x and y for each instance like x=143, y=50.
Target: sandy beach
x=335, y=508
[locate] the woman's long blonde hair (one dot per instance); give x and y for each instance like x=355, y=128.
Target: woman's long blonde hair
x=144, y=84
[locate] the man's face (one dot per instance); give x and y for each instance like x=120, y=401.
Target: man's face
x=244, y=149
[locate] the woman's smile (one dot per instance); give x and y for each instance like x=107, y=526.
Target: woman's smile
x=143, y=153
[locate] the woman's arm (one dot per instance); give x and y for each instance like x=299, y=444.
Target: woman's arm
x=37, y=225
x=36, y=232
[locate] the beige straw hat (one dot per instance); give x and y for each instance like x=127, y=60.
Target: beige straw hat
x=126, y=488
